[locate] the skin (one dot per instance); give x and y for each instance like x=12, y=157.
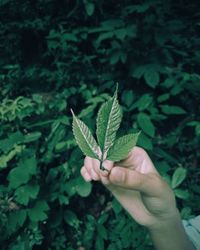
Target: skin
x=140, y=189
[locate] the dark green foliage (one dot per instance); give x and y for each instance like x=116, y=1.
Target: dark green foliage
x=56, y=55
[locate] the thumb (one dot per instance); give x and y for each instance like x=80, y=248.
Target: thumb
x=149, y=184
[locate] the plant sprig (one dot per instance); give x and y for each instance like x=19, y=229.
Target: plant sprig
x=107, y=147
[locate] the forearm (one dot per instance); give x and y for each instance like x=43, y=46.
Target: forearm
x=170, y=234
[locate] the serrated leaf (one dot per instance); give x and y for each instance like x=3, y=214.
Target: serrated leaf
x=108, y=122
x=85, y=139
x=122, y=147
x=178, y=177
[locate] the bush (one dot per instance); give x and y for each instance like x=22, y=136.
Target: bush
x=55, y=56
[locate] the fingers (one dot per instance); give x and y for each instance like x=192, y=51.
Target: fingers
x=107, y=165
x=85, y=174
x=91, y=170
x=138, y=159
x=150, y=184
x=91, y=167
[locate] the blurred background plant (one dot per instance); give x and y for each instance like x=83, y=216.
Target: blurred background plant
x=61, y=54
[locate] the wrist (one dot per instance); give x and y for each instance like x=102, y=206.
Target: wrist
x=163, y=222
x=169, y=233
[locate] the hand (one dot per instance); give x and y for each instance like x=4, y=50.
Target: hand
x=137, y=185
x=145, y=195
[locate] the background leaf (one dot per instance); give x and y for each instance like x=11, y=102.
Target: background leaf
x=182, y=194
x=145, y=142
x=172, y=110
x=146, y=124
x=39, y=211
x=23, y=172
x=151, y=77
x=178, y=177
x=57, y=56
x=83, y=188
x=26, y=192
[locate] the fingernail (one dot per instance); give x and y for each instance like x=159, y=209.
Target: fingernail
x=118, y=175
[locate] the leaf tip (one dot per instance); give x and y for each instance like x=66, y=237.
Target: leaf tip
x=72, y=112
x=116, y=89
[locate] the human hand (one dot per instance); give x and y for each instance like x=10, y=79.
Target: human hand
x=137, y=185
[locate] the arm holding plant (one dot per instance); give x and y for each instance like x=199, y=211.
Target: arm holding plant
x=128, y=172
x=140, y=189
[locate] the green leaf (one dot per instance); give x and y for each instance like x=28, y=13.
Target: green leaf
x=70, y=218
x=116, y=206
x=151, y=77
x=61, y=146
x=85, y=139
x=178, y=177
x=146, y=124
x=23, y=172
x=145, y=142
x=163, y=97
x=38, y=212
x=99, y=243
x=26, y=192
x=144, y=102
x=115, y=57
x=128, y=97
x=34, y=136
x=90, y=7
x=102, y=232
x=103, y=36
x=121, y=33
x=18, y=176
x=122, y=147
x=137, y=72
x=182, y=194
x=83, y=188
x=108, y=122
x=5, y=158
x=13, y=139
x=69, y=37
x=16, y=219
x=172, y=110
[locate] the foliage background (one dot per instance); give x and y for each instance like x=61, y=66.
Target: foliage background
x=61, y=54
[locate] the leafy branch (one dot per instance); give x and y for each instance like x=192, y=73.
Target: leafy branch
x=108, y=122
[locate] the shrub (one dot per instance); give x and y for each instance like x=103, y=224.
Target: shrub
x=57, y=56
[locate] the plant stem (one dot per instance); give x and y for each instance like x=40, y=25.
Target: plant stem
x=102, y=167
